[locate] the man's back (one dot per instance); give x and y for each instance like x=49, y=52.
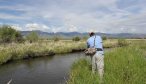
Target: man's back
x=98, y=42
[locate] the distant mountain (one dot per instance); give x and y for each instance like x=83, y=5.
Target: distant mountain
x=72, y=34
x=52, y=34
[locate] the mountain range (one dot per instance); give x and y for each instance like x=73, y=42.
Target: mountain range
x=73, y=34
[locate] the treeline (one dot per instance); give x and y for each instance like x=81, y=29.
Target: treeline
x=8, y=35
x=75, y=38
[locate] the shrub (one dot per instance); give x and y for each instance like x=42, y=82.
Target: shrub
x=8, y=34
x=76, y=38
x=32, y=37
x=122, y=42
x=56, y=38
x=104, y=38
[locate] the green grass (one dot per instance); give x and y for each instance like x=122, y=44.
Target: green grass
x=81, y=73
x=16, y=51
x=124, y=65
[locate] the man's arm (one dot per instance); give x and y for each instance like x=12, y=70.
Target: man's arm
x=88, y=45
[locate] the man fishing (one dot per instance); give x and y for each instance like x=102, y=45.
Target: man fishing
x=97, y=59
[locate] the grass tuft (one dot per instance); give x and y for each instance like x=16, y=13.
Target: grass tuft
x=81, y=73
x=123, y=65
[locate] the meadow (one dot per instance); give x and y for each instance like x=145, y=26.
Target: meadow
x=123, y=65
x=26, y=50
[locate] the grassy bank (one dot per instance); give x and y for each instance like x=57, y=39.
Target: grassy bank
x=29, y=50
x=14, y=51
x=125, y=65
x=81, y=73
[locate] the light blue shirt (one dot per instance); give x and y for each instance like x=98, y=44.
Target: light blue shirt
x=98, y=42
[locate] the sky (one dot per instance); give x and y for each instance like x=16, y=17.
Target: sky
x=106, y=16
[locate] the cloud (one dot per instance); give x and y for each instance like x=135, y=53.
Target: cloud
x=109, y=16
x=12, y=17
x=17, y=27
x=133, y=24
x=35, y=26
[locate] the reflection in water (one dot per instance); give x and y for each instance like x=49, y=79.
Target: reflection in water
x=44, y=70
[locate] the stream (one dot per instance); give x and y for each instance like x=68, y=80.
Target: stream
x=43, y=70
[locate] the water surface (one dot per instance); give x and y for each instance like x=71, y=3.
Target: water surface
x=43, y=70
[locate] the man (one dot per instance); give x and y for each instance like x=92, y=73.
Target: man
x=98, y=58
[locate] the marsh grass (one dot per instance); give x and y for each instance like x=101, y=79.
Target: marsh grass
x=123, y=65
x=81, y=73
x=29, y=50
x=14, y=51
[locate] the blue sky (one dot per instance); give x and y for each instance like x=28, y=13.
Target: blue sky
x=107, y=16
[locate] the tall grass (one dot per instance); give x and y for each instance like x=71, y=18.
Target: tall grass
x=28, y=50
x=25, y=50
x=124, y=65
x=81, y=73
